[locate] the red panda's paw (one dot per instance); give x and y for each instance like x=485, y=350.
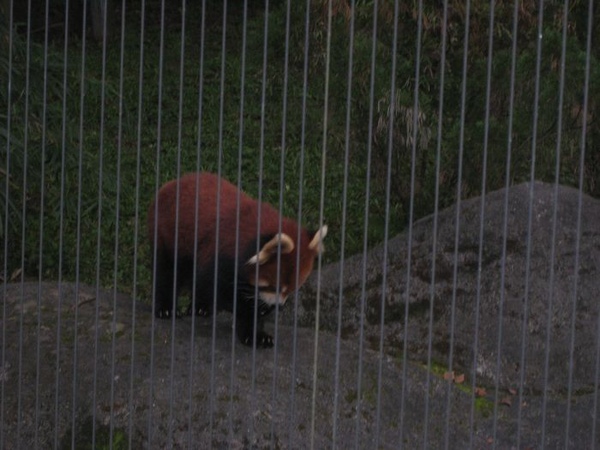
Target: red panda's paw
x=200, y=311
x=166, y=313
x=263, y=340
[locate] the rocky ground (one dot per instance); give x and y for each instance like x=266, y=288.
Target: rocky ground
x=82, y=365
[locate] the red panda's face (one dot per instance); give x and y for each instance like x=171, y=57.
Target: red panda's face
x=275, y=283
x=270, y=291
x=275, y=290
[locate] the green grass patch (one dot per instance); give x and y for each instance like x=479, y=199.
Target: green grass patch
x=80, y=174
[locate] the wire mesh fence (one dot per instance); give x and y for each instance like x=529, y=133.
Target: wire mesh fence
x=319, y=224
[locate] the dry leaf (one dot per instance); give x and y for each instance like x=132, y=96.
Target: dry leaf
x=449, y=375
x=16, y=274
x=506, y=401
x=459, y=379
x=480, y=392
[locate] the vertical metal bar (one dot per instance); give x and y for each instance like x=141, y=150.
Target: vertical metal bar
x=177, y=218
x=117, y=219
x=41, y=217
x=388, y=189
x=363, y=286
x=281, y=189
x=263, y=95
x=23, y=223
x=136, y=230
x=434, y=244
x=196, y=218
x=321, y=212
x=461, y=148
x=99, y=233
x=486, y=131
x=161, y=55
x=559, y=126
x=5, y=275
x=232, y=381
x=415, y=131
x=582, y=150
x=82, y=90
x=507, y=178
x=61, y=224
x=343, y=227
x=213, y=390
x=529, y=244
x=292, y=412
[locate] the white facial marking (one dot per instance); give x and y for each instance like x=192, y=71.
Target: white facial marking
x=272, y=298
x=317, y=241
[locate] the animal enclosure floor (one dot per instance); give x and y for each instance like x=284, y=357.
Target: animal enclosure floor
x=106, y=369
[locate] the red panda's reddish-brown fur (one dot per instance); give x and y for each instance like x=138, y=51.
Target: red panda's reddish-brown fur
x=198, y=202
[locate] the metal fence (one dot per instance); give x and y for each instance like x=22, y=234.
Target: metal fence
x=442, y=154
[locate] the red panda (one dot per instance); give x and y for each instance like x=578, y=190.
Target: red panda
x=198, y=198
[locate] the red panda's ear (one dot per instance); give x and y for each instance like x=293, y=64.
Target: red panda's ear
x=280, y=240
x=316, y=244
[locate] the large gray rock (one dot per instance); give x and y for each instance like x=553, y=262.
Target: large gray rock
x=106, y=369
x=475, y=328
x=79, y=363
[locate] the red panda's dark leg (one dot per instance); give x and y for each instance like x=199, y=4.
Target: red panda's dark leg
x=245, y=331
x=202, y=299
x=163, y=285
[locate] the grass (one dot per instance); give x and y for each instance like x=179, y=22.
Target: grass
x=82, y=195
x=125, y=152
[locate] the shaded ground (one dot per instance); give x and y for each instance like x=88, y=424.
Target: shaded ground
x=80, y=364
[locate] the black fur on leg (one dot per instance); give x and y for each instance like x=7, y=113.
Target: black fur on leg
x=163, y=287
x=200, y=305
x=245, y=332
x=201, y=311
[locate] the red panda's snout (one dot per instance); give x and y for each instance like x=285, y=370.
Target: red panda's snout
x=273, y=298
